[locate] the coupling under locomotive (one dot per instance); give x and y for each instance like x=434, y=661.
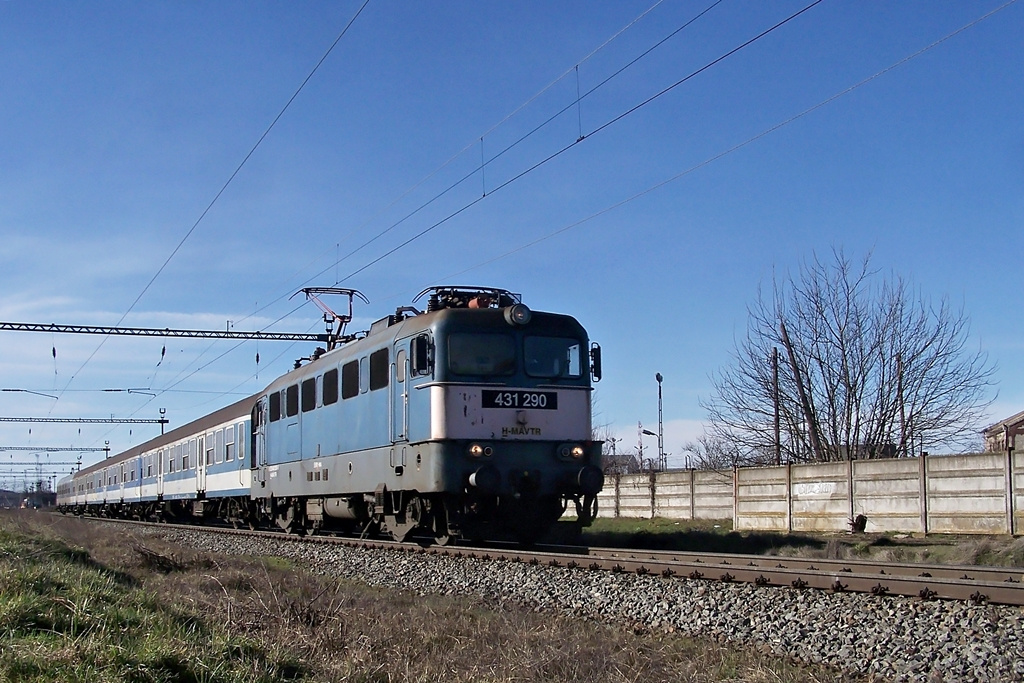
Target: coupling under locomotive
x=470, y=419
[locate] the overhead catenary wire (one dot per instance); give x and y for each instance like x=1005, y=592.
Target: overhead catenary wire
x=223, y=188
x=572, y=144
x=484, y=162
x=468, y=146
x=178, y=379
x=736, y=147
x=555, y=154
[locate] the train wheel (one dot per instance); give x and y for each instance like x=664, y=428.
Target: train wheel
x=439, y=514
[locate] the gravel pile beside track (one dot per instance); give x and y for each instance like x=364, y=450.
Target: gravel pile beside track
x=895, y=638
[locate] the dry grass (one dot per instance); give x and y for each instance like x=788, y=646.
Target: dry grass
x=337, y=630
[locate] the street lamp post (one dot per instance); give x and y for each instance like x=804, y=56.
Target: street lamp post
x=648, y=432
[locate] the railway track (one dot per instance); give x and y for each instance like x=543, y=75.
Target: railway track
x=977, y=584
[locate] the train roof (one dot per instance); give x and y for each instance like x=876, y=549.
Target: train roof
x=225, y=414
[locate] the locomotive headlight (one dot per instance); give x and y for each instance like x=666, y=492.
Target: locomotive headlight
x=518, y=314
x=476, y=450
x=572, y=451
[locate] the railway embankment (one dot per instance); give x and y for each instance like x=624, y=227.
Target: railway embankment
x=857, y=635
x=104, y=602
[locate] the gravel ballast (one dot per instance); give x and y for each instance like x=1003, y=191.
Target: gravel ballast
x=900, y=639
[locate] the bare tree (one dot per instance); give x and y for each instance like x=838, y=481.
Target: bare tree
x=712, y=452
x=866, y=367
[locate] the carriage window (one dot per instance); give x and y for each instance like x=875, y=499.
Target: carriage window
x=331, y=387
x=229, y=443
x=275, y=406
x=240, y=440
x=481, y=354
x=192, y=453
x=553, y=357
x=350, y=379
x=379, y=369
x=219, y=453
x=309, y=395
x=292, y=400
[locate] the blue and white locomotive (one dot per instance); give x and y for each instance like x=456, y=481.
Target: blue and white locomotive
x=469, y=420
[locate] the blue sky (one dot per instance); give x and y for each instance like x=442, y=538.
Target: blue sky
x=121, y=121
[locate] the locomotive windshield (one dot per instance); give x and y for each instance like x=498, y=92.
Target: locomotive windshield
x=481, y=354
x=552, y=357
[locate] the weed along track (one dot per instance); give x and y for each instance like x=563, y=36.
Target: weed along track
x=871, y=620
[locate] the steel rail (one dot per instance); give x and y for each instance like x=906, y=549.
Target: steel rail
x=771, y=562
x=834, y=576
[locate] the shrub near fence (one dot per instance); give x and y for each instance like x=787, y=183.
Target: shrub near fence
x=974, y=493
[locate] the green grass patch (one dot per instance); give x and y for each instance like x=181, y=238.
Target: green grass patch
x=65, y=617
x=714, y=536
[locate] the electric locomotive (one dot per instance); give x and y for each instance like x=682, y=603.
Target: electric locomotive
x=471, y=419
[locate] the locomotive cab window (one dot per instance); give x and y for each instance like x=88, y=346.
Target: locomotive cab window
x=553, y=357
x=481, y=354
x=419, y=355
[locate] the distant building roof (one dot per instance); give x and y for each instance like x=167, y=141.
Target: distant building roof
x=1004, y=433
x=1014, y=423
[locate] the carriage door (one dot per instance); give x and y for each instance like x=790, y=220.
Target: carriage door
x=201, y=465
x=399, y=395
x=160, y=466
x=258, y=446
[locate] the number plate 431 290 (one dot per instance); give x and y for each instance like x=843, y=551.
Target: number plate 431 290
x=542, y=400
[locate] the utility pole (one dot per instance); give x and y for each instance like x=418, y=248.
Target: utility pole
x=775, y=403
x=812, y=425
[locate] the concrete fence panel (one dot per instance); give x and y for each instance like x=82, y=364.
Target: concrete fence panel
x=762, y=498
x=714, y=494
x=967, y=493
x=820, y=497
x=1017, y=493
x=632, y=497
x=674, y=495
x=888, y=493
x=974, y=493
